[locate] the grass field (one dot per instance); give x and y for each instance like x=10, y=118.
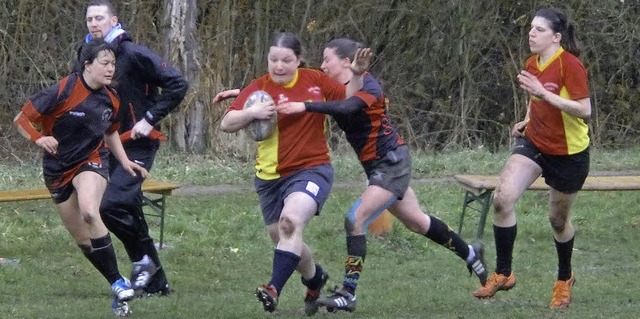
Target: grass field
x=219, y=252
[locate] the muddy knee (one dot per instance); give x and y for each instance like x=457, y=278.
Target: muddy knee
x=88, y=218
x=501, y=205
x=558, y=223
x=286, y=226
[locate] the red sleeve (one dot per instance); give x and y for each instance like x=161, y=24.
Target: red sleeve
x=24, y=122
x=238, y=102
x=115, y=102
x=575, y=78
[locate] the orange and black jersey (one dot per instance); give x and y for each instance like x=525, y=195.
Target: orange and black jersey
x=76, y=116
x=363, y=118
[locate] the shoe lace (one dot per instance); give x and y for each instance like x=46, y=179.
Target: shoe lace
x=561, y=290
x=493, y=281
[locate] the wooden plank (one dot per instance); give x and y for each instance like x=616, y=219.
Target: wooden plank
x=158, y=187
x=24, y=194
x=480, y=183
x=149, y=186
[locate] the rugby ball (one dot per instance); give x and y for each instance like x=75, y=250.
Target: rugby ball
x=260, y=130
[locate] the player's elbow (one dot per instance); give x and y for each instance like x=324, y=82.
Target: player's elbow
x=227, y=125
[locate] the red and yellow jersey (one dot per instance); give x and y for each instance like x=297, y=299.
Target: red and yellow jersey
x=299, y=140
x=551, y=130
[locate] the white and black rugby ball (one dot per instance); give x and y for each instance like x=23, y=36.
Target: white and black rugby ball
x=260, y=130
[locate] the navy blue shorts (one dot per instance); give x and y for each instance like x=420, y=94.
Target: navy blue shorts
x=392, y=172
x=314, y=181
x=565, y=173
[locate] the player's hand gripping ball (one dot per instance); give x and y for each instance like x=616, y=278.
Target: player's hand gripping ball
x=260, y=129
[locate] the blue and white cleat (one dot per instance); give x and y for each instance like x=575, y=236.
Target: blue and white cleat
x=122, y=290
x=142, y=272
x=120, y=308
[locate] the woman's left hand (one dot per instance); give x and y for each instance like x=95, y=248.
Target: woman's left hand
x=291, y=108
x=132, y=167
x=361, y=61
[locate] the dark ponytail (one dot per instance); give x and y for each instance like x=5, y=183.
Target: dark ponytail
x=560, y=23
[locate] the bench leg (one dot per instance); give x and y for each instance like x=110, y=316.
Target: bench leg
x=484, y=199
x=158, y=205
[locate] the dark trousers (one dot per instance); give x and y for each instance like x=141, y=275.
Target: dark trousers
x=121, y=207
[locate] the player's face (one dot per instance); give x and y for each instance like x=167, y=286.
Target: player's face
x=100, y=71
x=333, y=65
x=541, y=36
x=100, y=21
x=283, y=64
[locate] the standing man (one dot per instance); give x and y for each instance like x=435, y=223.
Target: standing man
x=139, y=76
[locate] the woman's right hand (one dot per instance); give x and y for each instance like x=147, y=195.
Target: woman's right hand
x=263, y=110
x=518, y=129
x=49, y=144
x=221, y=96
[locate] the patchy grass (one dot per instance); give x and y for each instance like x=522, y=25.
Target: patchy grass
x=220, y=252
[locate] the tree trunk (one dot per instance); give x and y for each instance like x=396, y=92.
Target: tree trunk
x=183, y=49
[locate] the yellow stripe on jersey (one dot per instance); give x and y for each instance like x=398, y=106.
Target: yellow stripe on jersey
x=575, y=129
x=267, y=160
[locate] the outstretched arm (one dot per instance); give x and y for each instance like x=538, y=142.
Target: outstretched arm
x=224, y=95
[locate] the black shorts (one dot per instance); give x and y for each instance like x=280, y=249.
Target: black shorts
x=565, y=173
x=59, y=180
x=314, y=181
x=392, y=172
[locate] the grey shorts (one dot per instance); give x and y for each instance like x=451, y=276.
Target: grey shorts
x=314, y=181
x=565, y=173
x=392, y=172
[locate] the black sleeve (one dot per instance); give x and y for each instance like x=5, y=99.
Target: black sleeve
x=343, y=107
x=160, y=73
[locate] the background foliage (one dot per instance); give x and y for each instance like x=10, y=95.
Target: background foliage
x=448, y=67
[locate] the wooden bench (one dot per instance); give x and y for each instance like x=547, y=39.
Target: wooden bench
x=158, y=205
x=479, y=189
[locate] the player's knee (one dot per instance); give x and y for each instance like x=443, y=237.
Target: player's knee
x=349, y=224
x=501, y=204
x=286, y=225
x=558, y=223
x=88, y=218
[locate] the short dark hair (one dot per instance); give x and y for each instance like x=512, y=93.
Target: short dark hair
x=89, y=51
x=110, y=7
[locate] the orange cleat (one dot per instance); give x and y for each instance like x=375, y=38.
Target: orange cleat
x=495, y=283
x=562, y=293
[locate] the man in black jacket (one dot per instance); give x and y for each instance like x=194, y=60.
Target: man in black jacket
x=140, y=74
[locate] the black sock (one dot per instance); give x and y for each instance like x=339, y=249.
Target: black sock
x=284, y=264
x=442, y=234
x=353, y=265
x=103, y=257
x=505, y=238
x=316, y=281
x=564, y=258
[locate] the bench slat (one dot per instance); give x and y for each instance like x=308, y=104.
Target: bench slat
x=480, y=188
x=480, y=183
x=149, y=186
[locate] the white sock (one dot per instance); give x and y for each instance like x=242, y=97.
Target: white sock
x=472, y=254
